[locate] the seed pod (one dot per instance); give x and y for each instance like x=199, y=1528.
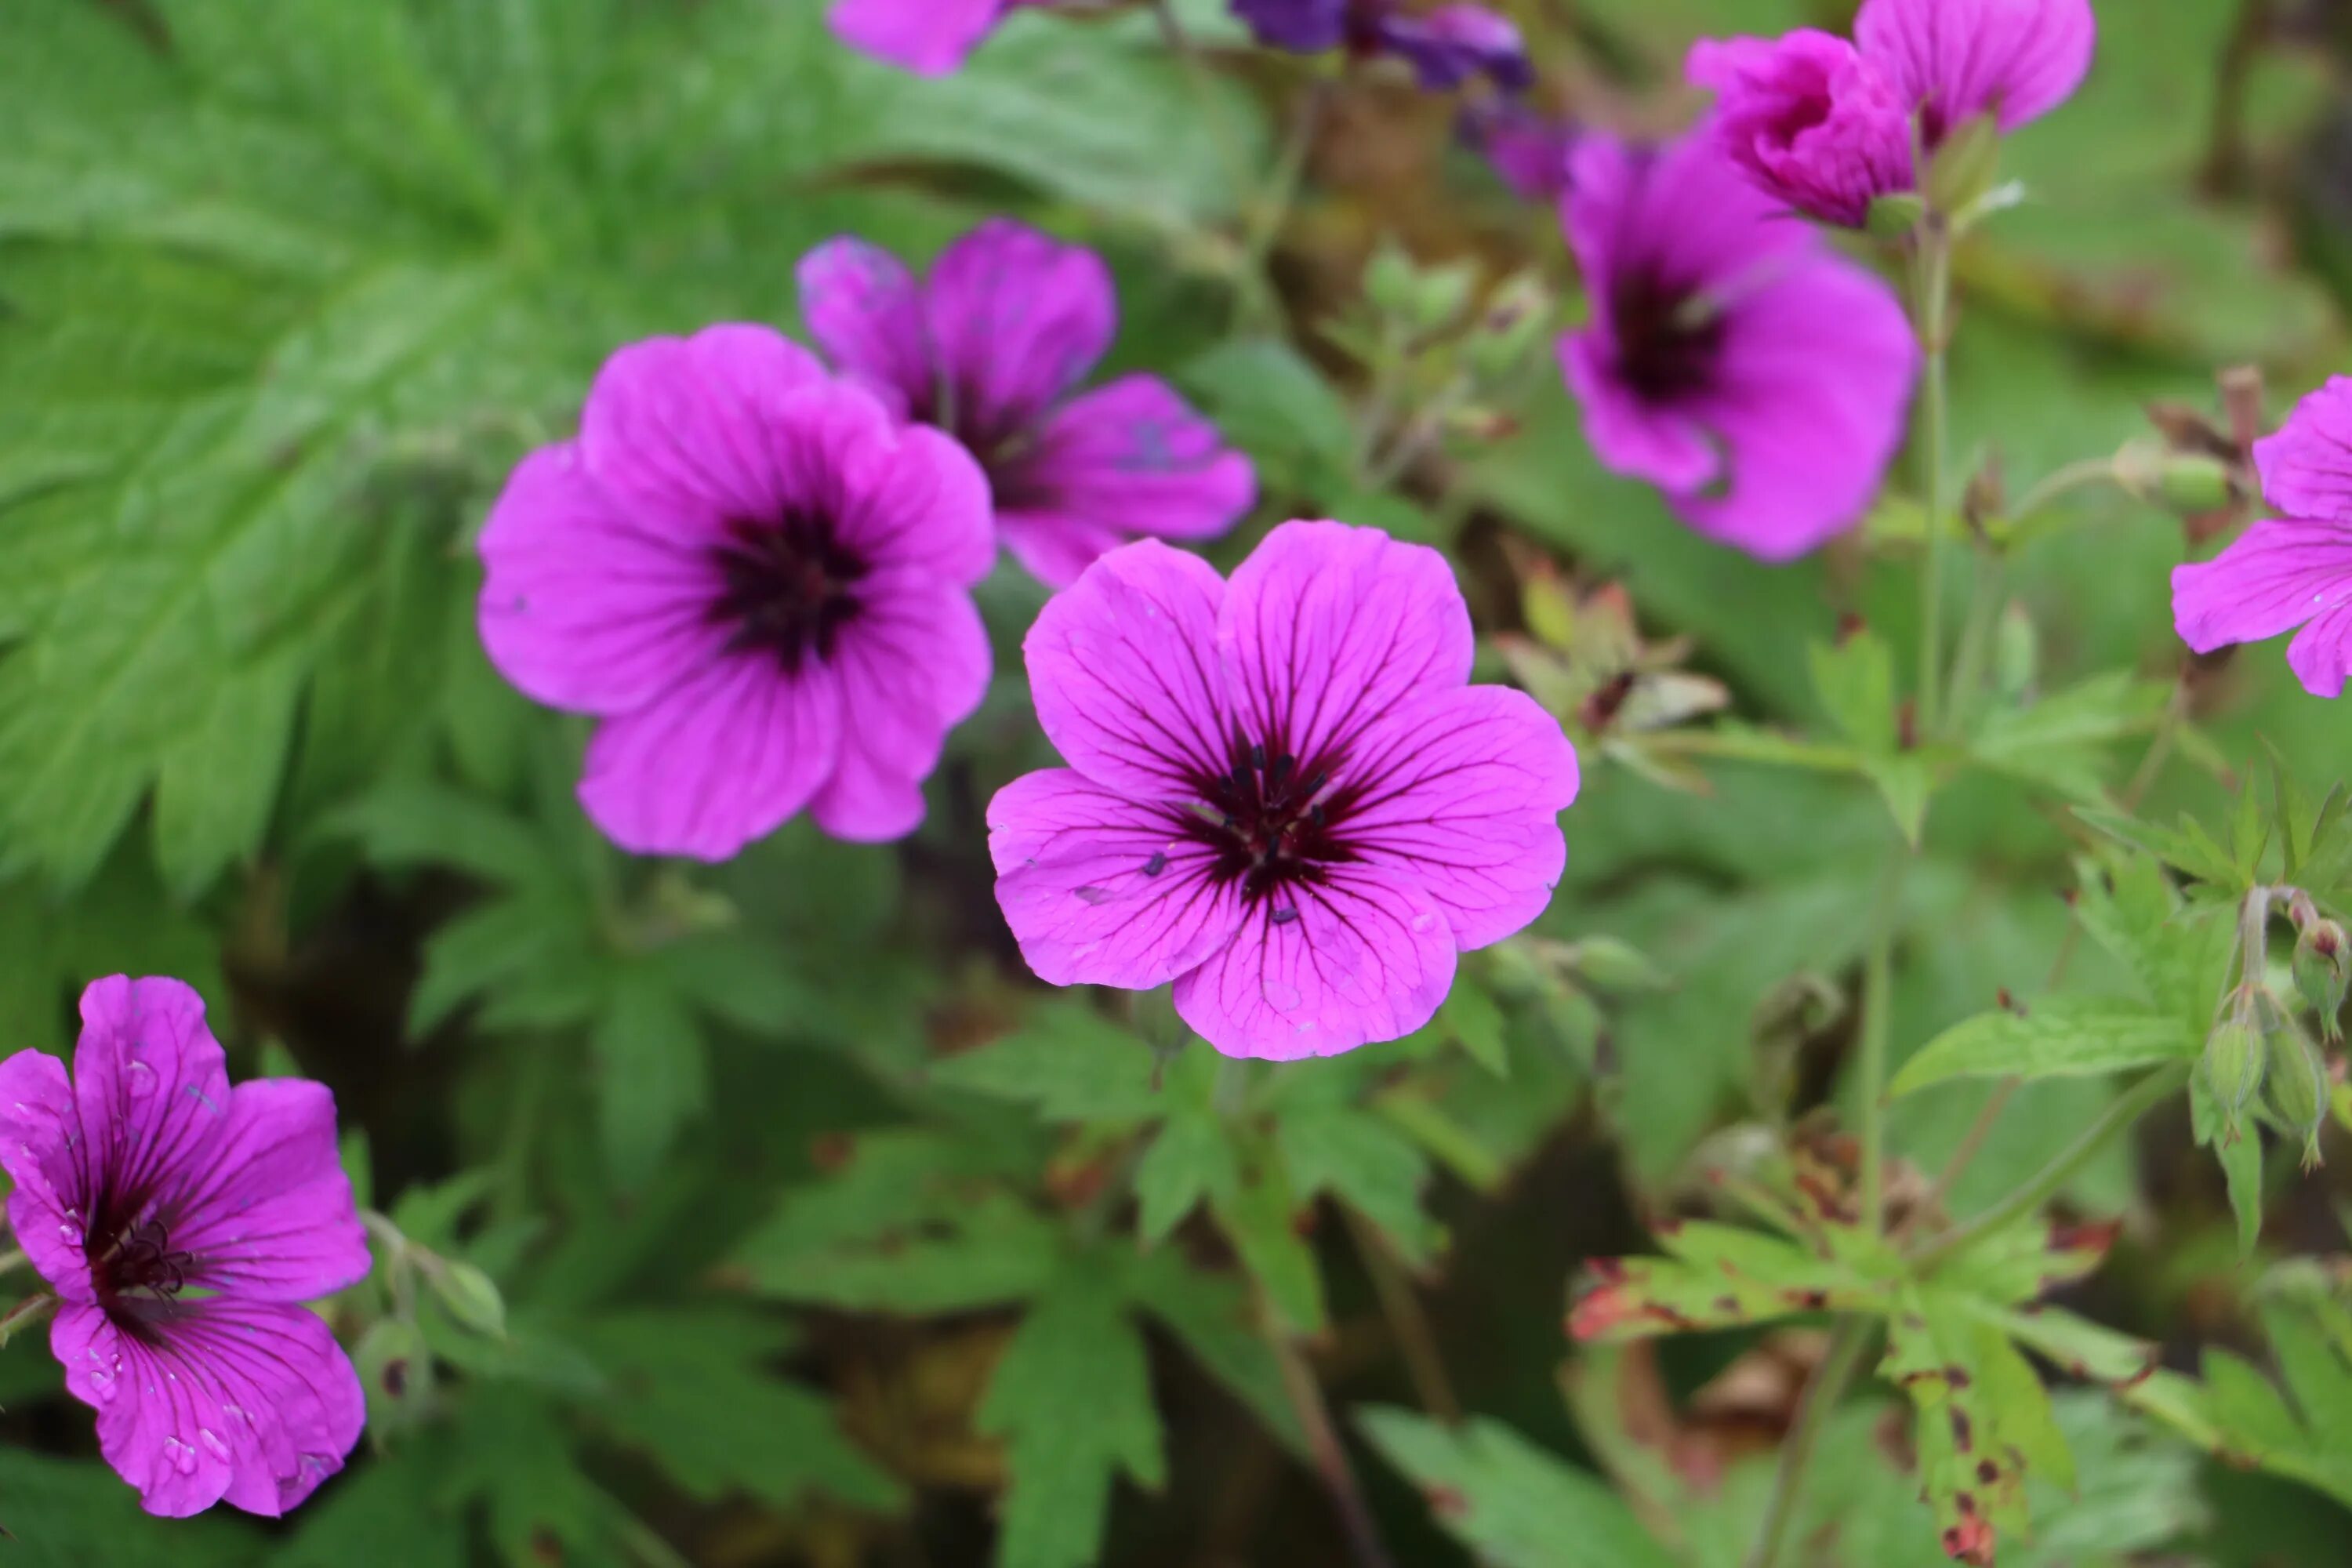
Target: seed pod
x=2295, y=1087
x=2233, y=1061
x=2322, y=966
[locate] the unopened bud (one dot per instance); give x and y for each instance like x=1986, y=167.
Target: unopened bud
x=2016, y=654
x=471, y=1297
x=2186, y=483
x=2295, y=1087
x=1965, y=166
x=1514, y=325
x=395, y=1370
x=1390, y=278
x=1895, y=215
x=1440, y=295
x=2233, y=1060
x=2323, y=968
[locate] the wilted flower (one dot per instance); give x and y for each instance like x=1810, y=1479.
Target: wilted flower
x=1829, y=126
x=181, y=1223
x=991, y=348
x=1282, y=795
x=1733, y=359
x=758, y=581
x=1446, y=46
x=2291, y=570
x=930, y=38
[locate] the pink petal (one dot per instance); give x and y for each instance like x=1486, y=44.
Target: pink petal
x=866, y=311
x=723, y=758
x=1468, y=791
x=2306, y=466
x=1958, y=58
x=1019, y=319
x=1370, y=957
x=269, y=1218
x=1129, y=458
x=1664, y=445
x=1123, y=667
x=1809, y=119
x=911, y=666
x=907, y=499
x=1327, y=626
x=214, y=1399
x=1103, y=890
x=151, y=1086
x=678, y=431
x=2275, y=576
x=1682, y=211
x=40, y=1140
x=930, y=38
x=583, y=608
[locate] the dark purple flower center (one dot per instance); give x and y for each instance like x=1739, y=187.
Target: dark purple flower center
x=786, y=588
x=1272, y=822
x=134, y=1260
x=1669, y=340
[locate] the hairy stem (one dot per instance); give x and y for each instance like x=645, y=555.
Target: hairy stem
x=1877, y=981
x=1821, y=1396
x=1408, y=1324
x=2028, y=1198
x=1323, y=1443
x=2077, y=476
x=1932, y=309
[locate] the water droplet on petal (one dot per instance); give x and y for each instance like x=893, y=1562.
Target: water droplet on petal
x=1281, y=996
x=212, y=1442
x=1424, y=920
x=183, y=1457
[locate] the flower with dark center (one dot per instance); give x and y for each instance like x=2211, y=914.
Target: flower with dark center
x=181, y=1223
x=1282, y=795
x=1737, y=362
x=760, y=583
x=991, y=346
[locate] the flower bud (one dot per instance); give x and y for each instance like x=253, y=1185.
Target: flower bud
x=2016, y=654
x=1965, y=166
x=1515, y=323
x=1389, y=279
x=1893, y=215
x=2323, y=967
x=2233, y=1060
x=471, y=1297
x=2295, y=1087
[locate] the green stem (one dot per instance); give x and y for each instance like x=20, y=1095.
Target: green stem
x=1323, y=1445
x=1821, y=1396
x=1408, y=1324
x=2029, y=1198
x=1933, y=308
x=2077, y=476
x=1877, y=984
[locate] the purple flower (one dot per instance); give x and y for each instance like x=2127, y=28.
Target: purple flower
x=2291, y=570
x=1282, y=795
x=1732, y=359
x=930, y=38
x=181, y=1224
x=1827, y=126
x=991, y=348
x=757, y=580
x=1445, y=46
x=1809, y=119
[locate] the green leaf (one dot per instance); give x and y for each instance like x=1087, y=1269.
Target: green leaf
x=1073, y=1400
x=511, y=1450
x=696, y=1391
x=1718, y=1276
x=1508, y=1500
x=412, y=824
x=2063, y=741
x=1071, y=1062
x=387, y=1509
x=1216, y=1321
x=1981, y=1415
x=1363, y=1161
x=2189, y=848
x=2063, y=1036
x=652, y=1074
x=1190, y=1159
x=71, y=1514
x=1279, y=409
x=1261, y=1221
x=1854, y=682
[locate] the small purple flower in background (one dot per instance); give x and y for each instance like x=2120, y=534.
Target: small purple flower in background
x=930, y=38
x=1732, y=359
x=1827, y=126
x=1281, y=795
x=1446, y=46
x=181, y=1223
x=2291, y=570
x=1528, y=149
x=991, y=348
x=759, y=582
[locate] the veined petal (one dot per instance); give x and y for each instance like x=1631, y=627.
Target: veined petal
x=40, y=1148
x=911, y=666
x=2275, y=576
x=152, y=1090
x=864, y=310
x=1019, y=319
x=2306, y=466
x=270, y=1218
x=1362, y=954
x=1103, y=890
x=1958, y=58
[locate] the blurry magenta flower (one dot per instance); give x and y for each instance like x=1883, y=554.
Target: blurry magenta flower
x=930, y=38
x=759, y=582
x=1282, y=795
x=2291, y=570
x=1732, y=359
x=991, y=348
x=1446, y=46
x=181, y=1223
x=1827, y=126
x=1528, y=149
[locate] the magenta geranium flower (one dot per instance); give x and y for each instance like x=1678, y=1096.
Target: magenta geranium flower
x=2295, y=570
x=181, y=1224
x=930, y=38
x=1732, y=359
x=1829, y=126
x=1446, y=44
x=757, y=580
x=991, y=348
x=1281, y=795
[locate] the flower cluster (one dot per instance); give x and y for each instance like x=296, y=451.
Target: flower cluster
x=1829, y=126
x=181, y=1223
